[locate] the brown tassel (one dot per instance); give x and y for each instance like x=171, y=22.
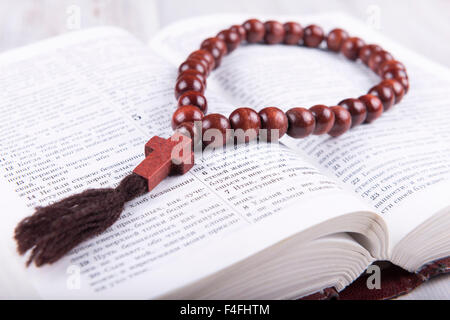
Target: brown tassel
x=53, y=231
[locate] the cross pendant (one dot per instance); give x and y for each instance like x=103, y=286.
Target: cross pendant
x=164, y=157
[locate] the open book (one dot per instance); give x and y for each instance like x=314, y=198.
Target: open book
x=251, y=221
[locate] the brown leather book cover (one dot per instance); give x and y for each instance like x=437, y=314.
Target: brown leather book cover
x=395, y=282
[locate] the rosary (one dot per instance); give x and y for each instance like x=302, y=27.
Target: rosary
x=53, y=231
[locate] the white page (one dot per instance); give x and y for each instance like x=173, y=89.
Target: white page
x=399, y=165
x=77, y=111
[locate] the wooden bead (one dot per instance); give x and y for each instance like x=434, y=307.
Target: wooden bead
x=217, y=47
x=247, y=120
x=231, y=38
x=397, y=87
x=275, y=122
x=221, y=125
x=350, y=48
x=367, y=50
x=204, y=55
x=255, y=30
x=194, y=64
x=342, y=121
x=405, y=83
x=385, y=94
x=357, y=110
x=301, y=122
x=293, y=33
x=313, y=35
x=193, y=98
x=274, y=32
x=216, y=44
x=186, y=114
x=390, y=64
x=194, y=73
x=335, y=39
x=188, y=83
x=324, y=119
x=240, y=30
x=203, y=60
x=377, y=58
x=190, y=130
x=374, y=107
x=394, y=73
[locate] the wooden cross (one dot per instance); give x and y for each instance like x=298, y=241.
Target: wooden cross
x=164, y=157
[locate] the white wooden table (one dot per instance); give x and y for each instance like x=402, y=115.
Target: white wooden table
x=423, y=26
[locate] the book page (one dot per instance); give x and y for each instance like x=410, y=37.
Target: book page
x=76, y=113
x=399, y=165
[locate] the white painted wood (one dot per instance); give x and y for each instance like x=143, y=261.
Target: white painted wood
x=26, y=21
x=423, y=26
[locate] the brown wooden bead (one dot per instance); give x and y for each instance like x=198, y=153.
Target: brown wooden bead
x=324, y=119
x=274, y=32
x=193, y=98
x=215, y=43
x=336, y=38
x=217, y=47
x=357, y=110
x=240, y=30
x=194, y=64
x=190, y=130
x=275, y=122
x=342, y=121
x=186, y=114
x=231, y=38
x=204, y=55
x=293, y=33
x=377, y=58
x=367, y=50
x=218, y=122
x=405, y=83
x=397, y=87
x=350, y=48
x=385, y=94
x=390, y=64
x=301, y=122
x=374, y=107
x=247, y=120
x=255, y=30
x=313, y=35
x=221, y=35
x=394, y=73
x=188, y=83
x=194, y=73
x=204, y=61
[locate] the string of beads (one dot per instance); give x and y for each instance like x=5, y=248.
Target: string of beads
x=53, y=231
x=297, y=122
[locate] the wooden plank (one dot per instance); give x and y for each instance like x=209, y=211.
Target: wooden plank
x=421, y=26
x=26, y=21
